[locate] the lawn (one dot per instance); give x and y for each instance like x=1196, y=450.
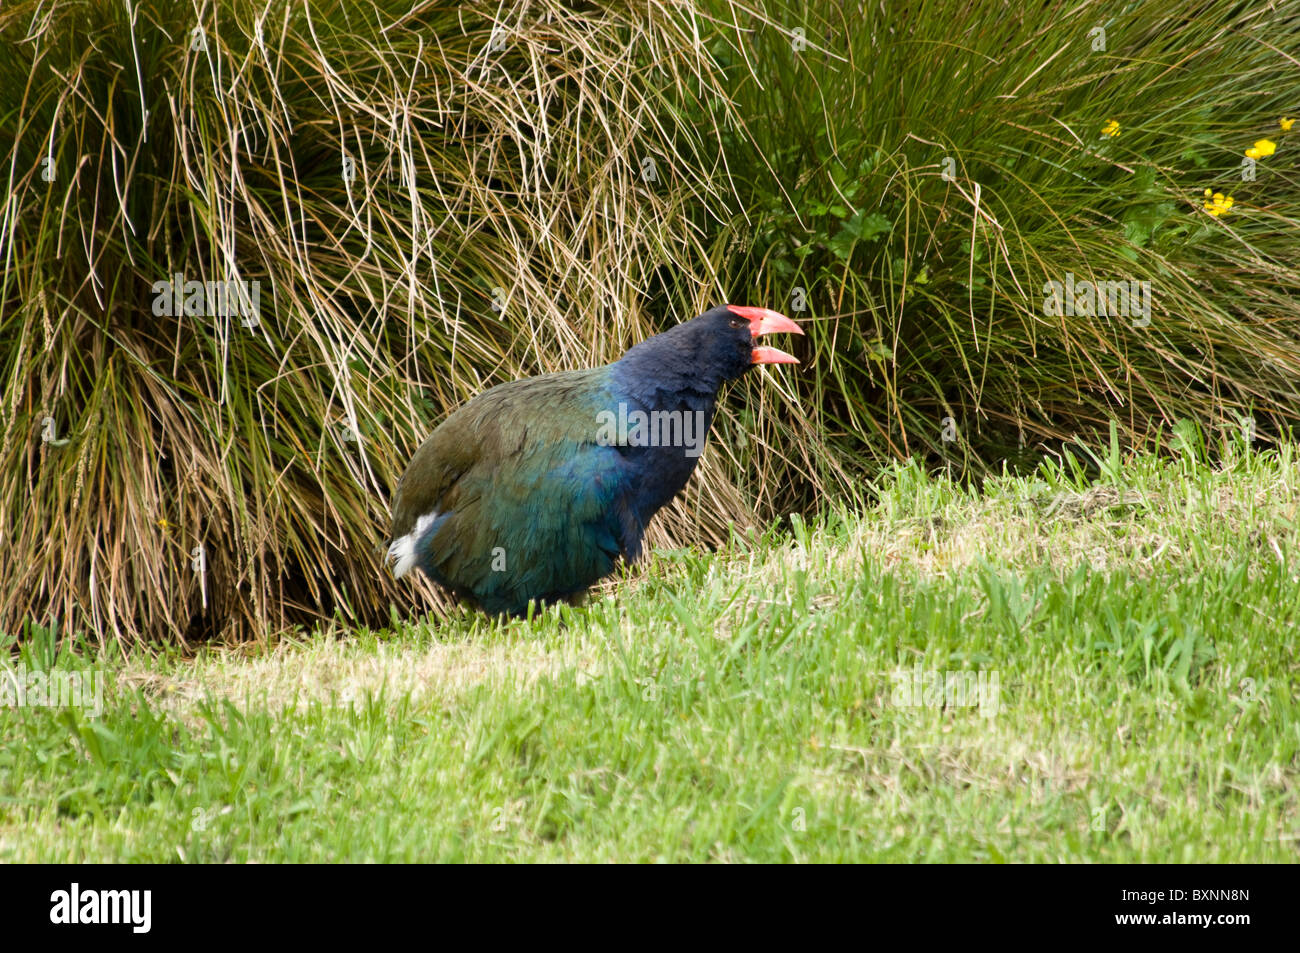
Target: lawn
x=1090, y=663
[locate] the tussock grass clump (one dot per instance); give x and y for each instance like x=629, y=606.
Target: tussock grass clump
x=420, y=200
x=385, y=208
x=919, y=173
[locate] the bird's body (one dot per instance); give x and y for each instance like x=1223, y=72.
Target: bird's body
x=534, y=489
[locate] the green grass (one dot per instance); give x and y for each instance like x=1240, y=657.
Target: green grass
x=742, y=706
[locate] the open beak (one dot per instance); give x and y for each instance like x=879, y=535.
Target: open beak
x=762, y=321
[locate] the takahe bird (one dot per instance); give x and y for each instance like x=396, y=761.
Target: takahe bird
x=534, y=489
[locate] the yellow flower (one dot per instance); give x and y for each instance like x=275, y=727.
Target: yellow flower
x=1262, y=148
x=1110, y=129
x=1286, y=124
x=1217, y=203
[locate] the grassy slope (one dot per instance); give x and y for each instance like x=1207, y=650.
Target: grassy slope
x=1142, y=627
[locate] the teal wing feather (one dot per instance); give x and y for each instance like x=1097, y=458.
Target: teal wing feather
x=530, y=504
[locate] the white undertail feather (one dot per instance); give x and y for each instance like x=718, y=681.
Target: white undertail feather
x=402, y=551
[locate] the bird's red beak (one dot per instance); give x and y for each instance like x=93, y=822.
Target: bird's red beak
x=762, y=321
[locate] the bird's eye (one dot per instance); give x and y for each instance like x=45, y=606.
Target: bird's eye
x=738, y=322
